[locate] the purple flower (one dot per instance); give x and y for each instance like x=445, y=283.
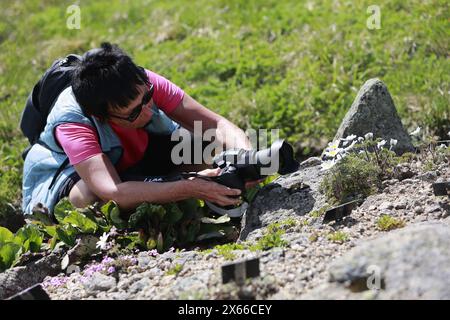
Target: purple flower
x=56, y=282
x=107, y=260
x=111, y=270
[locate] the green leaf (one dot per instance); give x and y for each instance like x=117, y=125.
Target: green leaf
x=221, y=219
x=5, y=235
x=173, y=215
x=189, y=207
x=144, y=213
x=42, y=218
x=67, y=234
x=62, y=209
x=151, y=243
x=168, y=241
x=50, y=230
x=192, y=232
x=9, y=253
x=29, y=237
x=80, y=221
x=112, y=213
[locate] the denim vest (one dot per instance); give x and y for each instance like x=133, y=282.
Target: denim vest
x=46, y=157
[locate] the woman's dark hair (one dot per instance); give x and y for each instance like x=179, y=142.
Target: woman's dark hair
x=106, y=78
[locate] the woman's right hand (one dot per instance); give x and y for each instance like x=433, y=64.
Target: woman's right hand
x=213, y=191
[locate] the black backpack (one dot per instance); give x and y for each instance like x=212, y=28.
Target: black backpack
x=43, y=96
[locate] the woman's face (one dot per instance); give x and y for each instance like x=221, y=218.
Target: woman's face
x=139, y=108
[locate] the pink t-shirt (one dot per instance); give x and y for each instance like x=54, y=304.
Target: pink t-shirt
x=80, y=142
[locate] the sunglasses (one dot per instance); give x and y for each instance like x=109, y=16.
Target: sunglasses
x=137, y=110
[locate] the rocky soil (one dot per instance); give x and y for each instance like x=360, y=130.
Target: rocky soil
x=312, y=266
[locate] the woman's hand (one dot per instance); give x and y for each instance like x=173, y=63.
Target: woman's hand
x=213, y=191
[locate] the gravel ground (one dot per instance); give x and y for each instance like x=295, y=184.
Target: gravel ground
x=286, y=273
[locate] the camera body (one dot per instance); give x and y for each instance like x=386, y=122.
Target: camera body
x=239, y=166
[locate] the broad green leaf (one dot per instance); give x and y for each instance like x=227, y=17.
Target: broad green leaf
x=29, y=237
x=112, y=214
x=62, y=209
x=9, y=252
x=174, y=214
x=79, y=220
x=67, y=234
x=146, y=213
x=50, y=230
x=189, y=207
x=221, y=219
x=101, y=221
x=5, y=235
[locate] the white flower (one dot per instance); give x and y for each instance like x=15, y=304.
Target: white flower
x=333, y=145
x=349, y=138
x=102, y=243
x=360, y=139
x=448, y=133
x=415, y=132
x=350, y=146
x=368, y=135
x=393, y=142
x=333, y=149
x=327, y=164
x=333, y=152
x=381, y=143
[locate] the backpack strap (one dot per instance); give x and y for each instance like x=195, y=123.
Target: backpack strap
x=58, y=172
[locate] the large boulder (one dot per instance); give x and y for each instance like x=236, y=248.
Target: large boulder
x=20, y=278
x=374, y=111
x=410, y=263
x=286, y=197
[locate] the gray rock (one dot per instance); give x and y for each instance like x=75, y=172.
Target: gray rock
x=17, y=279
x=412, y=264
x=374, y=111
x=429, y=176
x=288, y=196
x=99, y=282
x=145, y=260
x=386, y=205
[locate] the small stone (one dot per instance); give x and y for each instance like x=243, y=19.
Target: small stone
x=400, y=205
x=432, y=208
x=386, y=205
x=372, y=208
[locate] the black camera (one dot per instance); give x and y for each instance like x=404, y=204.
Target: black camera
x=239, y=166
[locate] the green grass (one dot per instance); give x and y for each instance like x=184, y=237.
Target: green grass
x=338, y=237
x=387, y=223
x=271, y=64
